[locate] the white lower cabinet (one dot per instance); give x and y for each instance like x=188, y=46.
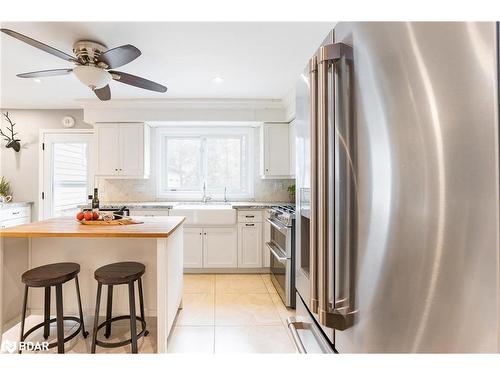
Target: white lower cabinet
x=12, y=216
x=193, y=247
x=220, y=248
x=250, y=245
x=210, y=247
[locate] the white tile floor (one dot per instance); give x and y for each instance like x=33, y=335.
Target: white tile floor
x=240, y=313
x=221, y=314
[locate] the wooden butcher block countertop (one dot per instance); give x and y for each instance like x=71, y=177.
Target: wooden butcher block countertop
x=152, y=227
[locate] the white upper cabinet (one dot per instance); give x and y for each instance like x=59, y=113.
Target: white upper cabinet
x=108, y=159
x=123, y=150
x=275, y=156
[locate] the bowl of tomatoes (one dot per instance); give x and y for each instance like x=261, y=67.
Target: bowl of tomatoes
x=88, y=216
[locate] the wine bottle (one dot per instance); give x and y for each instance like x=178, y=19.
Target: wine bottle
x=95, y=200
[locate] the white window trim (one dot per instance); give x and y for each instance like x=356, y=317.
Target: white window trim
x=189, y=131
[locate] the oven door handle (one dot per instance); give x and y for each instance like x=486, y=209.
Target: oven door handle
x=279, y=227
x=275, y=251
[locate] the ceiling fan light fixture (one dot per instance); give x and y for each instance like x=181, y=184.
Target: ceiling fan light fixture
x=91, y=76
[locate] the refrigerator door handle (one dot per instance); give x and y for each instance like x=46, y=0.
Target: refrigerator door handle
x=293, y=325
x=329, y=315
x=313, y=123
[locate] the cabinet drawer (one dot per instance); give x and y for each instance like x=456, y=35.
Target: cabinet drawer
x=15, y=213
x=13, y=222
x=249, y=216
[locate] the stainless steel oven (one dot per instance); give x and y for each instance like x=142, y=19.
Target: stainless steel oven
x=282, y=250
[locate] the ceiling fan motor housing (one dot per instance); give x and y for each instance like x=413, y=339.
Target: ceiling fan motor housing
x=88, y=52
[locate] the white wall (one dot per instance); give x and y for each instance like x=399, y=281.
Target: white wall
x=21, y=168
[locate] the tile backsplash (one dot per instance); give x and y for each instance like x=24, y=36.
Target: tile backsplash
x=121, y=190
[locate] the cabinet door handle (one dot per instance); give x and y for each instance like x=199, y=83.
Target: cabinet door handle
x=249, y=225
x=16, y=213
x=250, y=216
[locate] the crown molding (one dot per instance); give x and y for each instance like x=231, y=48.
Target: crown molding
x=184, y=103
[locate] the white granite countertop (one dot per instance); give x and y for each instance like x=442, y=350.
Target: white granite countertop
x=15, y=204
x=169, y=205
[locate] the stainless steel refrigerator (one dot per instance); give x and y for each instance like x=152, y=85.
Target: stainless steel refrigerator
x=398, y=190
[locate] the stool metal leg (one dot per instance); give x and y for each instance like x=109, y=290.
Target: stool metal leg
x=60, y=321
x=80, y=310
x=109, y=308
x=133, y=323
x=141, y=302
x=46, y=314
x=23, y=318
x=96, y=317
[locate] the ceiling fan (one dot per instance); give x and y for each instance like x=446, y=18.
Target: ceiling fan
x=93, y=64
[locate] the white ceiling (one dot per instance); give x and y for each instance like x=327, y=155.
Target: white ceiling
x=256, y=60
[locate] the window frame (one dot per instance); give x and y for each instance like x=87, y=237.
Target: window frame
x=204, y=132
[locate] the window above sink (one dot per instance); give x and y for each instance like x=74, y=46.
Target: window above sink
x=217, y=158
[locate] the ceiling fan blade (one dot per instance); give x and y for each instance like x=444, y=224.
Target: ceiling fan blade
x=39, y=45
x=132, y=80
x=45, y=73
x=119, y=56
x=104, y=93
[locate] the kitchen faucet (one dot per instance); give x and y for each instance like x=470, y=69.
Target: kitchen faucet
x=205, y=197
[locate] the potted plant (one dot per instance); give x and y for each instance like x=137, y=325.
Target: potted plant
x=5, y=191
x=291, y=192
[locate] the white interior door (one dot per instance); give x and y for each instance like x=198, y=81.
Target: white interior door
x=68, y=172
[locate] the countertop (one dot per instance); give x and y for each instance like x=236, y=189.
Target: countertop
x=15, y=204
x=170, y=205
x=157, y=227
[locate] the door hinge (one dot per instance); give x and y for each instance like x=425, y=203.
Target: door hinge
x=43, y=146
x=43, y=195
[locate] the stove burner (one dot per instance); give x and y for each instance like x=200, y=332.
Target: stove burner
x=285, y=213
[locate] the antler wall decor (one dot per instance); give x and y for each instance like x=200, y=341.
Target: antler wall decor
x=11, y=141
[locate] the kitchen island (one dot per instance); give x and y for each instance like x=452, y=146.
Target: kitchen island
x=157, y=243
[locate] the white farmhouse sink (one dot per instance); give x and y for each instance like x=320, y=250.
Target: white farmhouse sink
x=205, y=214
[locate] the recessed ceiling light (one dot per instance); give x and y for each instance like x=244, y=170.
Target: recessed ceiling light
x=218, y=80
x=37, y=80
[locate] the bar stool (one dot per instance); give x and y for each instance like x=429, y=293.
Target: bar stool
x=47, y=276
x=118, y=274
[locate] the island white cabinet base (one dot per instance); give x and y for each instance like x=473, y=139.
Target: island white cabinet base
x=162, y=282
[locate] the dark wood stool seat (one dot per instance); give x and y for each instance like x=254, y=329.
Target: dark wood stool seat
x=118, y=274
x=50, y=274
x=47, y=276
